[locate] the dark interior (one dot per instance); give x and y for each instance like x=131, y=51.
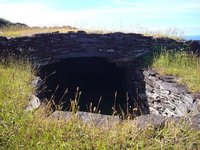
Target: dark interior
x=95, y=77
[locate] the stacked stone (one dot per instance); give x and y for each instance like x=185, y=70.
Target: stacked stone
x=51, y=47
x=168, y=98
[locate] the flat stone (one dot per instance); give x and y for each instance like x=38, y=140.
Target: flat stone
x=154, y=111
x=170, y=79
x=149, y=82
x=195, y=109
x=173, y=87
x=163, y=91
x=149, y=120
x=195, y=122
x=182, y=109
x=61, y=115
x=188, y=98
x=169, y=113
x=147, y=73
x=91, y=118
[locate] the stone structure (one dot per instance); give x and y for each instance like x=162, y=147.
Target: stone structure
x=120, y=48
x=51, y=47
x=155, y=94
x=168, y=98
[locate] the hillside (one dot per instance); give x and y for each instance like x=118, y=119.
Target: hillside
x=6, y=23
x=9, y=29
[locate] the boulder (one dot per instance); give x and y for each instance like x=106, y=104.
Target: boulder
x=33, y=104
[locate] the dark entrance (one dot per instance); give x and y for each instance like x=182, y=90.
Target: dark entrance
x=97, y=78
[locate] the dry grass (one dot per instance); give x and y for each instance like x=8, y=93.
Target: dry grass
x=13, y=31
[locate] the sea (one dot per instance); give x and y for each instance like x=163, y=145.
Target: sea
x=192, y=37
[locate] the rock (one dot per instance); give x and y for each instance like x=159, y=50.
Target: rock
x=195, y=122
x=91, y=118
x=169, y=112
x=195, y=108
x=149, y=120
x=61, y=115
x=188, y=99
x=147, y=73
x=37, y=81
x=34, y=103
x=182, y=109
x=170, y=79
x=158, y=121
x=168, y=98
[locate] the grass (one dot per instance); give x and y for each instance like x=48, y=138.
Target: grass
x=33, y=130
x=14, y=31
x=172, y=33
x=184, y=65
x=17, y=31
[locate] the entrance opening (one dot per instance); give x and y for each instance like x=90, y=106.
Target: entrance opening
x=97, y=78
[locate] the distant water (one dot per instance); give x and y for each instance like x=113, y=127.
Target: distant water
x=192, y=37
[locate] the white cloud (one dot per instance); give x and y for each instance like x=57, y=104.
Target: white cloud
x=147, y=13
x=36, y=14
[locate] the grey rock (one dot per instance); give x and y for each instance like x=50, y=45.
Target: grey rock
x=154, y=111
x=168, y=98
x=169, y=113
x=188, y=98
x=173, y=119
x=169, y=79
x=61, y=115
x=182, y=110
x=149, y=120
x=173, y=87
x=195, y=122
x=150, y=72
x=91, y=118
x=163, y=91
x=33, y=104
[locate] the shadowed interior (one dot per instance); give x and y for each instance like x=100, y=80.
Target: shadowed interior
x=95, y=77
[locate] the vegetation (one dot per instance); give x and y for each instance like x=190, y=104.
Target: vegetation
x=172, y=33
x=22, y=130
x=181, y=63
x=15, y=31
x=9, y=29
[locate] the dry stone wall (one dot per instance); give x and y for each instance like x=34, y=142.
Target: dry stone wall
x=168, y=98
x=51, y=47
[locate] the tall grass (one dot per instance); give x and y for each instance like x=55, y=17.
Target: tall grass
x=181, y=63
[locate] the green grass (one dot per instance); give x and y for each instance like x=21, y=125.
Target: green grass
x=33, y=131
x=181, y=64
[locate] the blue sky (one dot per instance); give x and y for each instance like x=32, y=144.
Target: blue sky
x=114, y=15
